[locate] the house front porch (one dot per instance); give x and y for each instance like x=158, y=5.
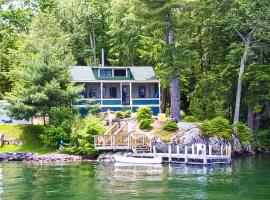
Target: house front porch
x=122, y=95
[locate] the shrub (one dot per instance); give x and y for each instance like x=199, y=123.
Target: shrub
x=261, y=139
x=127, y=113
x=145, y=124
x=83, y=130
x=144, y=113
x=190, y=119
x=218, y=126
x=59, y=128
x=119, y=114
x=182, y=114
x=170, y=126
x=243, y=132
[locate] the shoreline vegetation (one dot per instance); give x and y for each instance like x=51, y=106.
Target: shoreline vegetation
x=213, y=66
x=32, y=147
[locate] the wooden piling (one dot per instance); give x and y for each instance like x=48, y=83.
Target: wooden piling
x=204, y=155
x=221, y=150
x=177, y=149
x=170, y=153
x=210, y=149
x=154, y=150
x=186, y=154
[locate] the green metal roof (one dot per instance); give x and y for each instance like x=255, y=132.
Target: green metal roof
x=81, y=73
x=135, y=73
x=143, y=73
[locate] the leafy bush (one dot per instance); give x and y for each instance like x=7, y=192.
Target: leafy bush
x=218, y=126
x=83, y=130
x=261, y=139
x=59, y=127
x=127, y=113
x=182, y=114
x=93, y=108
x=144, y=113
x=170, y=126
x=190, y=119
x=119, y=114
x=145, y=124
x=243, y=132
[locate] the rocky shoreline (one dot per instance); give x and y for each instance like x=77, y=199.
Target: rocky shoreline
x=34, y=157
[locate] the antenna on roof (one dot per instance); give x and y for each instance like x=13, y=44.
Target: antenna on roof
x=102, y=57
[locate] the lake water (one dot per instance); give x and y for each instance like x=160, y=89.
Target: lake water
x=246, y=179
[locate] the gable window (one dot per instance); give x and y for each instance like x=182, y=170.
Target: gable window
x=105, y=72
x=120, y=72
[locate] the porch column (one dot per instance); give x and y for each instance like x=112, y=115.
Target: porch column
x=159, y=96
x=130, y=95
x=121, y=92
x=101, y=93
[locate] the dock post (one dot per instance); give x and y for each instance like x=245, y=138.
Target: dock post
x=129, y=141
x=186, y=155
x=154, y=150
x=210, y=150
x=170, y=153
x=204, y=155
x=193, y=149
x=111, y=141
x=177, y=149
x=221, y=150
x=229, y=153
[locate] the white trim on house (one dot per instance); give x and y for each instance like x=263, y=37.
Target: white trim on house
x=130, y=95
x=145, y=98
x=116, y=81
x=118, y=105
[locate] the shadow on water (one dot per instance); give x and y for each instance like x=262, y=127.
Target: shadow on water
x=247, y=178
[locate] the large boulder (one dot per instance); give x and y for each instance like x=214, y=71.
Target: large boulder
x=190, y=133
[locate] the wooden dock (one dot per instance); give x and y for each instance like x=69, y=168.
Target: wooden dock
x=198, y=155
x=119, y=138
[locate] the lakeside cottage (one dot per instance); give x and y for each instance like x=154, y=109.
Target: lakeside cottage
x=123, y=88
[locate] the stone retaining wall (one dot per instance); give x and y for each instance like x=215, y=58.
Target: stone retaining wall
x=33, y=157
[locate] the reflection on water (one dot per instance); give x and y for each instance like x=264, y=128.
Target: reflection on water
x=245, y=179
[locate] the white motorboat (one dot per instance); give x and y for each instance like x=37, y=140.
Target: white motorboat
x=138, y=160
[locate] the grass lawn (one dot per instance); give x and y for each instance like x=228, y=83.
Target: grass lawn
x=28, y=134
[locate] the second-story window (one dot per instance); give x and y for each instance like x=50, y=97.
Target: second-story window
x=105, y=72
x=120, y=72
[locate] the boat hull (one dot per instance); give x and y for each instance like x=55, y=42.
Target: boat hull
x=124, y=159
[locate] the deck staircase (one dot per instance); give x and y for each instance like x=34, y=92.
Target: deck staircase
x=124, y=137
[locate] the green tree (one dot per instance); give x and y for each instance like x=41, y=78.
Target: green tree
x=124, y=32
x=86, y=23
x=42, y=78
x=14, y=20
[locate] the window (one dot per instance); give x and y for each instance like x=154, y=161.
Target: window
x=113, y=92
x=120, y=72
x=141, y=91
x=105, y=72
